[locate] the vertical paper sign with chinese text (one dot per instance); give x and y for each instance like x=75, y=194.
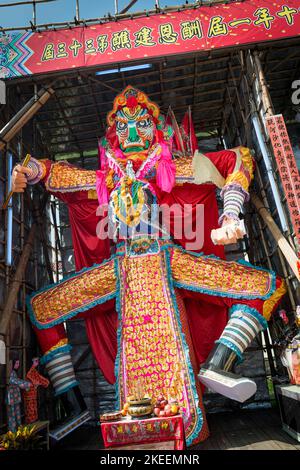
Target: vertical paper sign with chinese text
x=287, y=167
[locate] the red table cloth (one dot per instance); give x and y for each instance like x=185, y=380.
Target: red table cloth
x=144, y=431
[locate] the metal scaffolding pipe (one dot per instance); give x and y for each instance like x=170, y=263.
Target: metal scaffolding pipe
x=120, y=16
x=266, y=158
x=34, y=13
x=27, y=2
x=77, y=10
x=125, y=9
x=9, y=215
x=8, y=132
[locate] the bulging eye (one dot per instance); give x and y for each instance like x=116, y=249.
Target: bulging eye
x=121, y=126
x=144, y=123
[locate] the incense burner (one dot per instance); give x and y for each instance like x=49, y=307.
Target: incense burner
x=140, y=408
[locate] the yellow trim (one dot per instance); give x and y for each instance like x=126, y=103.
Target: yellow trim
x=109, y=179
x=238, y=177
x=60, y=343
x=244, y=160
x=273, y=300
x=92, y=194
x=247, y=160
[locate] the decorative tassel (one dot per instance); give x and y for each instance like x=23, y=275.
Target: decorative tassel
x=102, y=157
x=101, y=187
x=118, y=153
x=165, y=175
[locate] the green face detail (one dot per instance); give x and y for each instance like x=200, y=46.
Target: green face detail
x=135, y=131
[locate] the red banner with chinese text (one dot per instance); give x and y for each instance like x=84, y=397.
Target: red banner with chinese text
x=144, y=431
x=287, y=166
x=142, y=38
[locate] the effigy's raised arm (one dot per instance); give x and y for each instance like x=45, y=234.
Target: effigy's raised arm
x=58, y=177
x=229, y=170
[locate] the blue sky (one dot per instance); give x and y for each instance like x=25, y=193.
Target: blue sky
x=64, y=10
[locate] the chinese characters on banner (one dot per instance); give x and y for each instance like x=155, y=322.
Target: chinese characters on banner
x=141, y=38
x=144, y=431
x=287, y=167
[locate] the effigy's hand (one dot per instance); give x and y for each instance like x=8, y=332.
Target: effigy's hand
x=19, y=180
x=229, y=233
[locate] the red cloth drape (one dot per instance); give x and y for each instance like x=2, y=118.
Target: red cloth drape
x=206, y=322
x=101, y=322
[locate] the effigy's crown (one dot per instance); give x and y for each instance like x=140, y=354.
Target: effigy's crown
x=131, y=101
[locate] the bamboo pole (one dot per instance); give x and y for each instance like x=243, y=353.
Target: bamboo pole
x=77, y=11
x=261, y=227
x=10, y=194
x=281, y=241
x=269, y=109
x=23, y=116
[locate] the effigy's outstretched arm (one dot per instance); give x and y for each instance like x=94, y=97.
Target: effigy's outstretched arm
x=52, y=306
x=58, y=177
x=237, y=168
x=229, y=170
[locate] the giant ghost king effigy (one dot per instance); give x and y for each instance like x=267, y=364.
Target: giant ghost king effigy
x=153, y=309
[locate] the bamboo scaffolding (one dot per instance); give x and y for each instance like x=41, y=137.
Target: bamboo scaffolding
x=268, y=110
x=281, y=241
x=165, y=93
x=25, y=2
x=236, y=110
x=108, y=18
x=286, y=268
x=266, y=98
x=14, y=286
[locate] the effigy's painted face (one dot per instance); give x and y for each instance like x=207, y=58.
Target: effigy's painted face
x=135, y=129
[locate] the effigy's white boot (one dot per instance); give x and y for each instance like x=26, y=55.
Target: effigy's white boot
x=215, y=373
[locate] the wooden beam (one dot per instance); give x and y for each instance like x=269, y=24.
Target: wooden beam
x=109, y=103
x=282, y=61
x=166, y=71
